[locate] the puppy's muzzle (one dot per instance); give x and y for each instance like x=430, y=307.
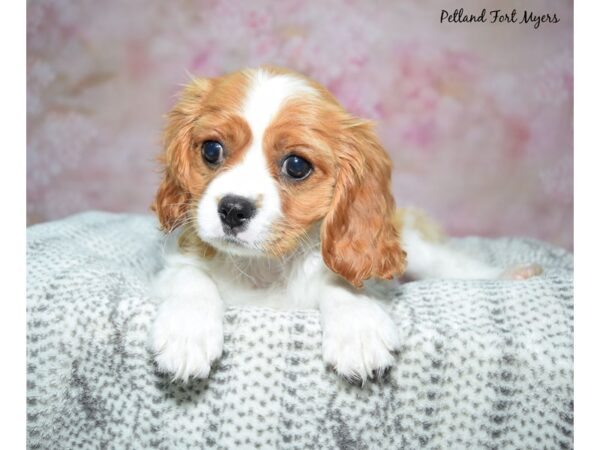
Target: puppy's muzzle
x=235, y=213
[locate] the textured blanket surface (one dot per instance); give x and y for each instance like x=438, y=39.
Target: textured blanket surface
x=484, y=364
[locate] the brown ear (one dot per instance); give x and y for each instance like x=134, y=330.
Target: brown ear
x=359, y=238
x=170, y=203
x=173, y=197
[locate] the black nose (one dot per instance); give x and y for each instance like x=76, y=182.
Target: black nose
x=235, y=212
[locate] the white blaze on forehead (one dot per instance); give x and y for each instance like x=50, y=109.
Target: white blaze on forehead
x=251, y=177
x=266, y=94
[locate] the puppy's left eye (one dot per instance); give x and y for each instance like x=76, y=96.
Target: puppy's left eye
x=296, y=167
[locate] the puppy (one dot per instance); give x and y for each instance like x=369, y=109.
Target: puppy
x=274, y=195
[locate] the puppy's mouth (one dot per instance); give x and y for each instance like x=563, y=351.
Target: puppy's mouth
x=231, y=239
x=234, y=245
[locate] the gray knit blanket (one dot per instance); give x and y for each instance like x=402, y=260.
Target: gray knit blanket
x=484, y=364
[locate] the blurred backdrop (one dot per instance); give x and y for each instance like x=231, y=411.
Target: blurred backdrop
x=478, y=118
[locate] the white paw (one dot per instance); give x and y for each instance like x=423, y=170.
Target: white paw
x=522, y=272
x=358, y=341
x=186, y=341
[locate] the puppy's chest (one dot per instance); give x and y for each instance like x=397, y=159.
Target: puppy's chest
x=262, y=283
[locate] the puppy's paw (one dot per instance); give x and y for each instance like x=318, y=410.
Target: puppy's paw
x=186, y=341
x=358, y=342
x=522, y=272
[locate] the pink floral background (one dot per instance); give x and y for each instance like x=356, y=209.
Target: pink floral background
x=478, y=118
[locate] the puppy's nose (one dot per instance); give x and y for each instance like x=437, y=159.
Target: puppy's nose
x=235, y=211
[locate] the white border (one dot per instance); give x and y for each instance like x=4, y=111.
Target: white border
x=587, y=224
x=12, y=259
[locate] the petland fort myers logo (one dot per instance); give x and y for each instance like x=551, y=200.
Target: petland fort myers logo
x=498, y=16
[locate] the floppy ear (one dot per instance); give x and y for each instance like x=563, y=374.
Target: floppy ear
x=170, y=203
x=359, y=238
x=173, y=196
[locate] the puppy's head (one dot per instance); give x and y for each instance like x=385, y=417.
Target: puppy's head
x=257, y=159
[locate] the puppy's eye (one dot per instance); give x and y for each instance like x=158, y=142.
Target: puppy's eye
x=296, y=167
x=212, y=152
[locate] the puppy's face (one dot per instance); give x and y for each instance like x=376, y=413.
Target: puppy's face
x=256, y=160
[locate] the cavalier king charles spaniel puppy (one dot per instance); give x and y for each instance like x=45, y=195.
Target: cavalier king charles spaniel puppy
x=274, y=195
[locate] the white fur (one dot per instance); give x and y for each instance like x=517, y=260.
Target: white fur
x=265, y=97
x=427, y=259
x=188, y=331
x=437, y=260
x=359, y=337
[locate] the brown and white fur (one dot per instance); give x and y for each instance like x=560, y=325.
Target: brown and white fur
x=309, y=243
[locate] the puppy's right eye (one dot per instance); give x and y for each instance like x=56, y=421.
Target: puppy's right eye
x=212, y=152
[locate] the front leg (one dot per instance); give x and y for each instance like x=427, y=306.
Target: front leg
x=359, y=337
x=187, y=335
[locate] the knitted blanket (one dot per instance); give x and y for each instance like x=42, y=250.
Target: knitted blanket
x=484, y=364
